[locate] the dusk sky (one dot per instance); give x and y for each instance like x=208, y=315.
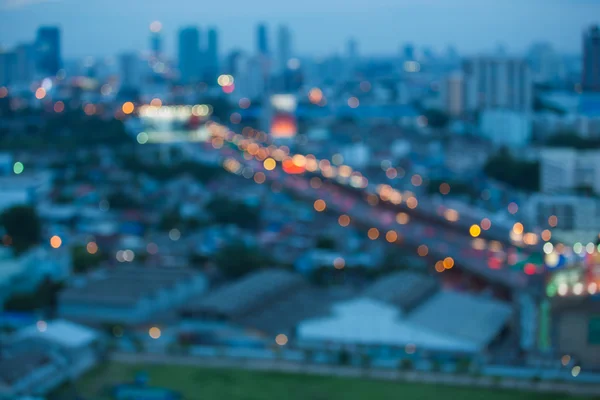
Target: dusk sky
x=106, y=27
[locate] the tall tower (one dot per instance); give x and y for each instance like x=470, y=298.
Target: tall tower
x=155, y=39
x=189, y=54
x=212, y=55
x=590, y=77
x=48, y=51
x=262, y=41
x=284, y=46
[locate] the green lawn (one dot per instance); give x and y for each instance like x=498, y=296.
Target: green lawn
x=224, y=384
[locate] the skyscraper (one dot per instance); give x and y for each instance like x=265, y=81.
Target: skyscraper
x=130, y=71
x=212, y=55
x=8, y=67
x=25, y=59
x=47, y=46
x=284, y=46
x=189, y=54
x=262, y=41
x=155, y=39
x=590, y=76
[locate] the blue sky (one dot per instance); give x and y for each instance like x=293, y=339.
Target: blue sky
x=105, y=27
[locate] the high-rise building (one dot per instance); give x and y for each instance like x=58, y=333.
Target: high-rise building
x=48, y=50
x=155, y=39
x=497, y=83
x=130, y=71
x=212, y=55
x=189, y=54
x=262, y=40
x=8, y=67
x=452, y=92
x=25, y=60
x=590, y=77
x=546, y=65
x=284, y=46
x=408, y=52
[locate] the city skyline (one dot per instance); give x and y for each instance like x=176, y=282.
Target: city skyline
x=559, y=22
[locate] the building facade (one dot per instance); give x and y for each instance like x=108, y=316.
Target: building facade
x=48, y=49
x=590, y=76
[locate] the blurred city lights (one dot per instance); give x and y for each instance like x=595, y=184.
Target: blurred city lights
x=391, y=236
x=18, y=167
x=40, y=93
x=344, y=220
x=281, y=339
x=422, y=250
x=339, y=263
x=154, y=332
x=448, y=262
x=127, y=107
x=55, y=241
x=402, y=218
x=486, y=224
x=155, y=26
x=474, y=230
x=373, y=233
x=142, y=138
x=41, y=326
x=174, y=234
x=92, y=247
x=320, y=205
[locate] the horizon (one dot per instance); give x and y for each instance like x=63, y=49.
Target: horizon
x=388, y=25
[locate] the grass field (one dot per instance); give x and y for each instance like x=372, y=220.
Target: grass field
x=225, y=384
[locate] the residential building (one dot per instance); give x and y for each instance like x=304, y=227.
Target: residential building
x=130, y=70
x=506, y=128
x=497, y=83
x=573, y=213
x=48, y=49
x=590, y=76
x=566, y=169
x=453, y=93
x=129, y=295
x=576, y=329
x=39, y=358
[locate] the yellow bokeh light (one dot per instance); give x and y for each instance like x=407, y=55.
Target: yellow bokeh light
x=448, y=262
x=55, y=241
x=422, y=250
x=412, y=202
x=475, y=230
x=269, y=164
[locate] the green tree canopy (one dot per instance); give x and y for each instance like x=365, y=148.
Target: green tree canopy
x=237, y=259
x=23, y=226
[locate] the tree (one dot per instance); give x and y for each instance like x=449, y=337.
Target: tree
x=524, y=175
x=44, y=297
x=325, y=243
x=573, y=140
x=237, y=259
x=84, y=261
x=436, y=118
x=226, y=211
x=23, y=226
